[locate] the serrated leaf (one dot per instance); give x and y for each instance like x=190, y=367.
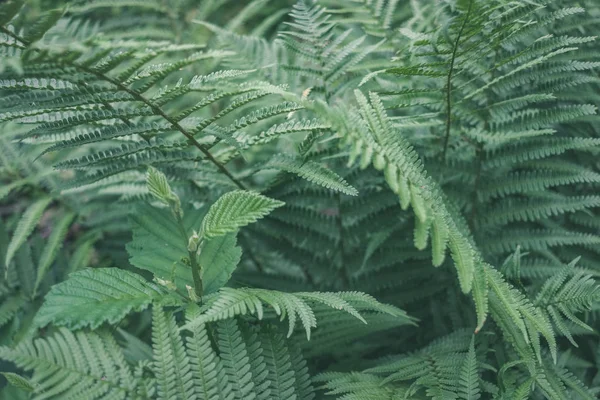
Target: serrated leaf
x=234, y=210
x=159, y=187
x=96, y=295
x=18, y=381
x=219, y=258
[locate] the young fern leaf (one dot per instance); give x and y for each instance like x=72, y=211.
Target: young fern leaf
x=160, y=247
x=234, y=210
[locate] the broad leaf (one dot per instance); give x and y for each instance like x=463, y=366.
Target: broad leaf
x=93, y=296
x=219, y=258
x=234, y=210
x=159, y=247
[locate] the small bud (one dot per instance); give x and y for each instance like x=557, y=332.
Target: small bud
x=166, y=283
x=192, y=293
x=193, y=242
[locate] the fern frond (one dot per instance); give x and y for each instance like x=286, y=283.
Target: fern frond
x=312, y=172
x=172, y=367
x=210, y=380
x=232, y=302
x=234, y=354
x=75, y=366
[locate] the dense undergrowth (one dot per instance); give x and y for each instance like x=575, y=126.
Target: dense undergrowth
x=265, y=199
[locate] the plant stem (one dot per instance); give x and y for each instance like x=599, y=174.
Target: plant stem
x=449, y=83
x=198, y=286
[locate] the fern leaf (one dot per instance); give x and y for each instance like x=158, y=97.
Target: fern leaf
x=8, y=10
x=469, y=378
x=232, y=302
x=10, y=307
x=281, y=375
x=40, y=26
x=235, y=360
x=210, y=380
x=312, y=172
x=171, y=363
x=61, y=371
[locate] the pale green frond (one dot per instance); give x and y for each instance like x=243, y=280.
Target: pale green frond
x=81, y=365
x=171, y=365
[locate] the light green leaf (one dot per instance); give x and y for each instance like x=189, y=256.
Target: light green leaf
x=93, y=296
x=159, y=187
x=235, y=210
x=18, y=381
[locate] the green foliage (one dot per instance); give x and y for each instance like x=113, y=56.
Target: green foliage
x=234, y=210
x=26, y=225
x=160, y=247
x=93, y=296
x=18, y=381
x=203, y=200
